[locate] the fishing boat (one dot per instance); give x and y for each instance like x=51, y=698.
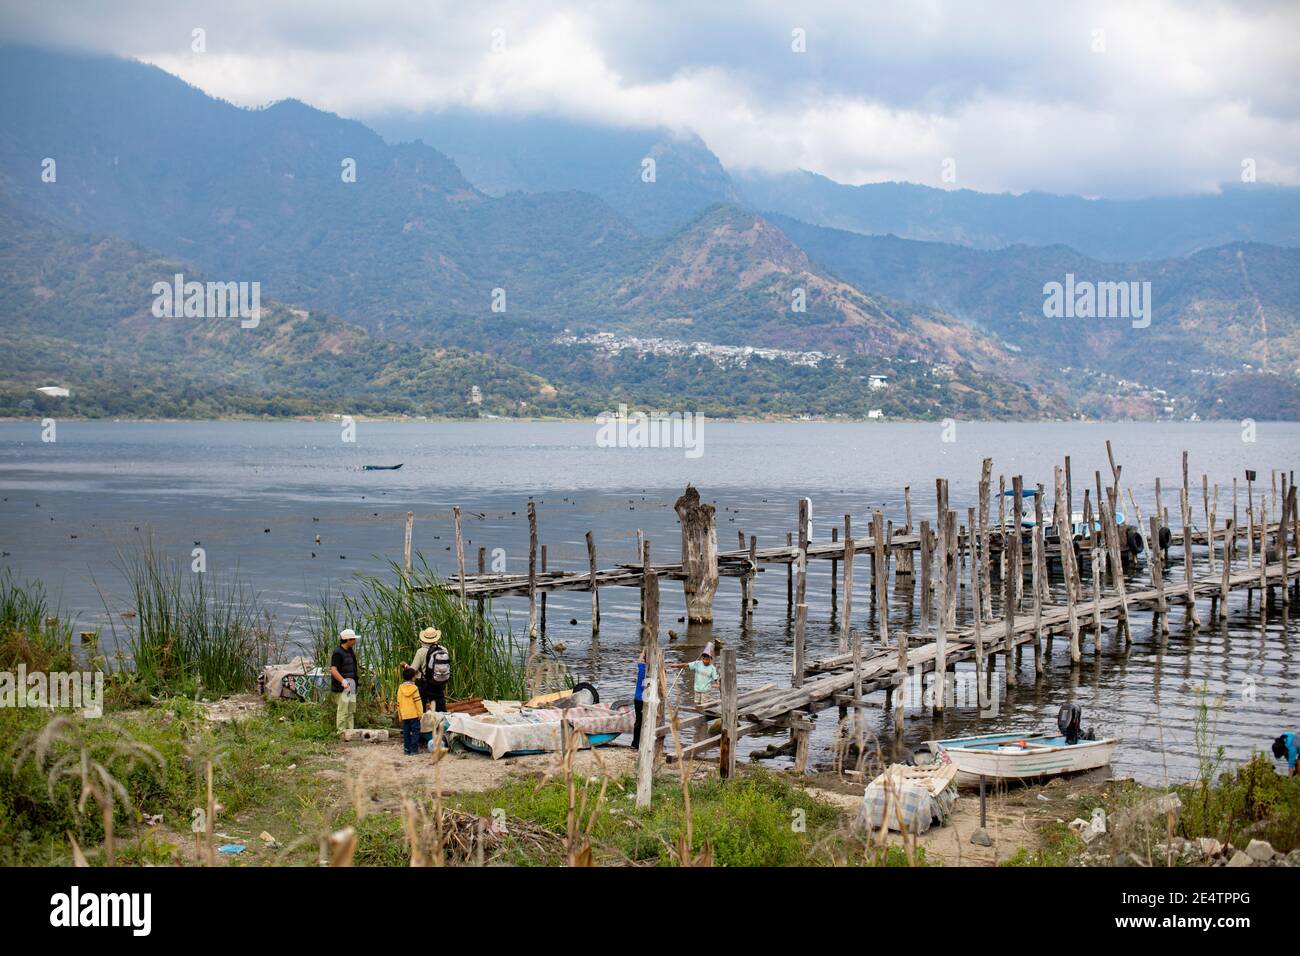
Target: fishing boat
x=382, y=467
x=1130, y=538
x=1015, y=756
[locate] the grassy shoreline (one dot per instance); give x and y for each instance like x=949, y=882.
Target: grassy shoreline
x=125, y=788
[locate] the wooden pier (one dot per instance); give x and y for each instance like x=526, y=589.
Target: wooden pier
x=1040, y=593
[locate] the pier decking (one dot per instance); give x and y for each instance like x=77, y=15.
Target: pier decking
x=964, y=567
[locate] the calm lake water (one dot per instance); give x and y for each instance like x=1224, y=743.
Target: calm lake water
x=250, y=493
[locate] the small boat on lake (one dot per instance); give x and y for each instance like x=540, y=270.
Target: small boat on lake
x=1016, y=756
x=382, y=467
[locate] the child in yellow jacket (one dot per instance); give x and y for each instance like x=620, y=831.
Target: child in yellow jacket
x=409, y=709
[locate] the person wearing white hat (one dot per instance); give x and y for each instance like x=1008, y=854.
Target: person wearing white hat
x=432, y=663
x=343, y=680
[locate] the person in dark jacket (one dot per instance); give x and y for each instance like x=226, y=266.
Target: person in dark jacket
x=343, y=680
x=638, y=700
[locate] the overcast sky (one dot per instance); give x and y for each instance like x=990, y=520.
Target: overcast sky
x=1109, y=99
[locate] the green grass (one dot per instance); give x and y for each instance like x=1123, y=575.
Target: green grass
x=1252, y=802
x=31, y=633
x=1061, y=847
x=758, y=819
x=250, y=761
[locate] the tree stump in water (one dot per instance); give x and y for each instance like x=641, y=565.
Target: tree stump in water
x=699, y=555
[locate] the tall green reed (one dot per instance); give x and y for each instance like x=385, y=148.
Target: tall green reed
x=29, y=632
x=388, y=614
x=191, y=631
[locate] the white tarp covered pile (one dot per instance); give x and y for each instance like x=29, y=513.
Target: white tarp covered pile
x=910, y=798
x=506, y=730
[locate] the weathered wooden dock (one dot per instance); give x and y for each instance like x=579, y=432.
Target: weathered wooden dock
x=968, y=570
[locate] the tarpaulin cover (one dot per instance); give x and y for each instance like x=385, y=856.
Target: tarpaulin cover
x=904, y=804
x=508, y=730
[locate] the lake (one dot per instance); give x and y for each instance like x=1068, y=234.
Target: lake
x=251, y=493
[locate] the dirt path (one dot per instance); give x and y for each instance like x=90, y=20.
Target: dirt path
x=1014, y=821
x=385, y=773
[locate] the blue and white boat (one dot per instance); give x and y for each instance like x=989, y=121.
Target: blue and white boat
x=1015, y=756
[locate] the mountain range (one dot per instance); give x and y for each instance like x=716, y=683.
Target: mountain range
x=533, y=259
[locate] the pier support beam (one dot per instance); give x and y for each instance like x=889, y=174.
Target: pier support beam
x=699, y=555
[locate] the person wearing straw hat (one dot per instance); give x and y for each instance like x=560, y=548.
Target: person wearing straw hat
x=432, y=664
x=343, y=680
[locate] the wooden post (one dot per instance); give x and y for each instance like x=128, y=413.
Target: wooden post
x=905, y=558
x=1036, y=556
x=1069, y=491
x=835, y=571
x=1117, y=573
x=976, y=583
x=1114, y=471
x=1263, y=551
x=927, y=562
x=1229, y=542
x=1189, y=569
x=1044, y=585
x=1063, y=532
x=940, y=554
x=1158, y=577
x=406, y=548
x=649, y=599
x=1009, y=614
x=482, y=569
x=800, y=632
x=1211, y=519
x=789, y=575
x=727, y=752
x=543, y=593
x=753, y=572
x=1250, y=528
x=460, y=553
x=986, y=478
x=532, y=570
x=948, y=615
x=1018, y=547
x=595, y=594
x=805, y=522
x=846, y=616
x=1095, y=556
x=1286, y=519
x=882, y=586
x=699, y=555
x=645, y=762
x=857, y=686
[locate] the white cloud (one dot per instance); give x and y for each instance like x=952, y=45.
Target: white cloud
x=1013, y=91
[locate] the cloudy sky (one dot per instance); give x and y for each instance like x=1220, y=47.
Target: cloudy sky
x=1101, y=99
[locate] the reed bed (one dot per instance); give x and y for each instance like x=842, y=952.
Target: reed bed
x=188, y=632
x=388, y=614
x=30, y=632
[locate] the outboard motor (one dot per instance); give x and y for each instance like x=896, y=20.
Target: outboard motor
x=1069, y=719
